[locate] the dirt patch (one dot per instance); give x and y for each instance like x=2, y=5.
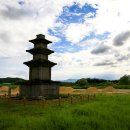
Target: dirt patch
x=65, y=90
x=79, y=91
x=108, y=89
x=15, y=91
x=4, y=89
x=92, y=90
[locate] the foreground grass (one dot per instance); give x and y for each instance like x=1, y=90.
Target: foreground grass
x=110, y=112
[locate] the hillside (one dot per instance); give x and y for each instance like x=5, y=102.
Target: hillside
x=11, y=80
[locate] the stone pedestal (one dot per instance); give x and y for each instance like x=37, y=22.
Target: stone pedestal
x=45, y=90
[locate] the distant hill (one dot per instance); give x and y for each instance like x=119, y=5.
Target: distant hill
x=90, y=80
x=11, y=80
x=69, y=80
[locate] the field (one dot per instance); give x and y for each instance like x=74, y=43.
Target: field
x=4, y=90
x=105, y=112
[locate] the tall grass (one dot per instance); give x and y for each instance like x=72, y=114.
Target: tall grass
x=106, y=112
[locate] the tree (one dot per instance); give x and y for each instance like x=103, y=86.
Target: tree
x=125, y=80
x=82, y=83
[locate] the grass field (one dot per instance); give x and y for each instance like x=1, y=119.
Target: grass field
x=105, y=112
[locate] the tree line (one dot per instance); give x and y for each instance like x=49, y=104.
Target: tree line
x=123, y=82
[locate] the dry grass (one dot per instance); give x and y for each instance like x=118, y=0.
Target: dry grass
x=15, y=91
x=70, y=90
x=66, y=90
x=92, y=90
x=4, y=89
x=108, y=89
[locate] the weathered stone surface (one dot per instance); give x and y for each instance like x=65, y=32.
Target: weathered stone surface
x=36, y=91
x=39, y=84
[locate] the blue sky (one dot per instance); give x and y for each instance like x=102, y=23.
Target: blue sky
x=72, y=14
x=90, y=37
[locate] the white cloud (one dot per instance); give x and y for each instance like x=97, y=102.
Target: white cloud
x=111, y=16
x=89, y=15
x=84, y=64
x=76, y=32
x=20, y=23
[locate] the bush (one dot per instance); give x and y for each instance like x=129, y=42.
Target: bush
x=81, y=83
x=125, y=80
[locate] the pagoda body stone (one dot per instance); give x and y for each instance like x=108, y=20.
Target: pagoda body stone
x=40, y=83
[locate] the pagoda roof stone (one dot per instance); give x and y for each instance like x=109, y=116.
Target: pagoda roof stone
x=39, y=62
x=40, y=51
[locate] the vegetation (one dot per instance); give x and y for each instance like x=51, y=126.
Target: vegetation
x=81, y=83
x=106, y=112
x=11, y=80
x=122, y=83
x=12, y=86
x=125, y=80
x=67, y=84
x=121, y=86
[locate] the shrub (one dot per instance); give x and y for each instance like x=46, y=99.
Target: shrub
x=125, y=80
x=81, y=83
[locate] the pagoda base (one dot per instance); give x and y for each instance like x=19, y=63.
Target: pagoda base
x=39, y=90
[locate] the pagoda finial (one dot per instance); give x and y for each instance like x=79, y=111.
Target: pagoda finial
x=41, y=36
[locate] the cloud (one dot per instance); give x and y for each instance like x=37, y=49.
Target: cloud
x=83, y=64
x=117, y=20
x=4, y=37
x=18, y=12
x=100, y=49
x=104, y=63
x=75, y=32
x=3, y=58
x=107, y=76
x=21, y=21
x=120, y=39
x=89, y=15
x=123, y=57
x=21, y=2
x=53, y=38
x=11, y=67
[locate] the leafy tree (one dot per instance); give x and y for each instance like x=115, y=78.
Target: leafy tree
x=125, y=80
x=82, y=83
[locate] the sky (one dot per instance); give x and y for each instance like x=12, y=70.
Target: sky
x=91, y=38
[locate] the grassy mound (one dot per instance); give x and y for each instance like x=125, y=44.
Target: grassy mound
x=92, y=90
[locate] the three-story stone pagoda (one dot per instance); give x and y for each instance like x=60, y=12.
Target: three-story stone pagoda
x=40, y=83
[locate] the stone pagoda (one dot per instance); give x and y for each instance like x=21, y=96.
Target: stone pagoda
x=40, y=83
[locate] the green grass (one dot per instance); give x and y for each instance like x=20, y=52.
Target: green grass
x=114, y=85
x=106, y=112
x=122, y=86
